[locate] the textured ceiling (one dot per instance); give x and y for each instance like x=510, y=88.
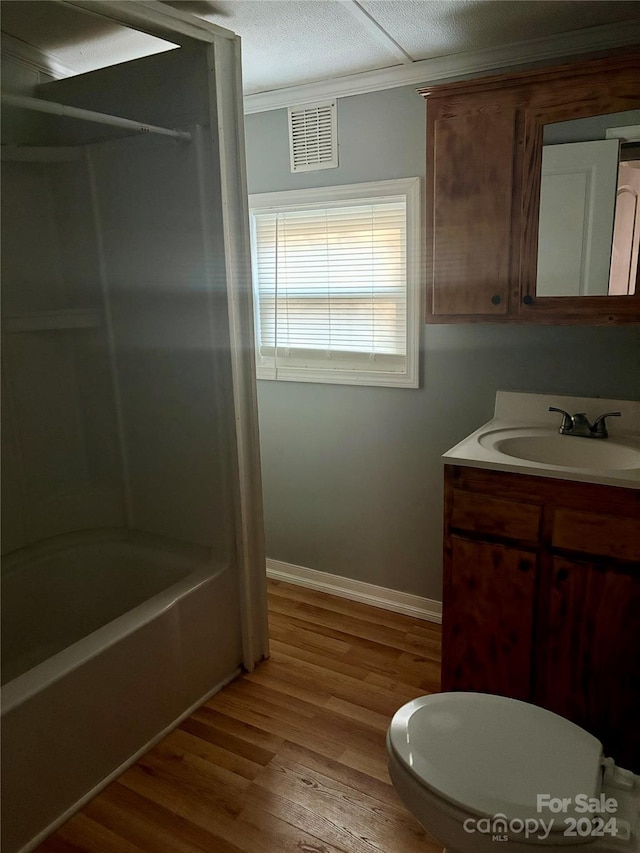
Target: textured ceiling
x=288, y=42
x=430, y=28
x=297, y=41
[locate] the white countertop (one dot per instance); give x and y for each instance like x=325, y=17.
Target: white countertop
x=522, y=413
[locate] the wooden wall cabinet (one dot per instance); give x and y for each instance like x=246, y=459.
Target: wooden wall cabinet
x=542, y=598
x=484, y=155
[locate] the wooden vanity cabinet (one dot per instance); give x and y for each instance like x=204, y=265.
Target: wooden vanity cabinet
x=484, y=155
x=542, y=598
x=488, y=639
x=589, y=668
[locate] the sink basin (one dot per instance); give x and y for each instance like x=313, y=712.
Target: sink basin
x=550, y=448
x=523, y=438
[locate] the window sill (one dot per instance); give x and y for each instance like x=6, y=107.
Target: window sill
x=343, y=377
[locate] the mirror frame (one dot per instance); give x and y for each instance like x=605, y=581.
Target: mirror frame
x=595, y=87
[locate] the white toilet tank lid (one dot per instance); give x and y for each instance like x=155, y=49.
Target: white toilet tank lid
x=489, y=754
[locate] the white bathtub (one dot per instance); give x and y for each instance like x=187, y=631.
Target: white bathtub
x=106, y=645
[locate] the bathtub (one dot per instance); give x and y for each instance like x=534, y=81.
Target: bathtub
x=108, y=642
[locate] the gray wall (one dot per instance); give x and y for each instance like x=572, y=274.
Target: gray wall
x=587, y=129
x=352, y=475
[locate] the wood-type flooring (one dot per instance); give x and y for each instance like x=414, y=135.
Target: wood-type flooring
x=287, y=759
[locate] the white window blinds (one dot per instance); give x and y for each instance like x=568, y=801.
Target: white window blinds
x=331, y=291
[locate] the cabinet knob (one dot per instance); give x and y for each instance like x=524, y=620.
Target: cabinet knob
x=562, y=574
x=524, y=565
x=528, y=300
x=495, y=299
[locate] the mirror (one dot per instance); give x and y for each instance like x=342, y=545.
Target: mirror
x=589, y=226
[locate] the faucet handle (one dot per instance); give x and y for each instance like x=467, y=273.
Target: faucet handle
x=600, y=424
x=567, y=419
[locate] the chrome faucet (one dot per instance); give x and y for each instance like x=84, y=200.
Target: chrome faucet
x=578, y=424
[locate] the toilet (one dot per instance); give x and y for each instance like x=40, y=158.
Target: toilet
x=485, y=773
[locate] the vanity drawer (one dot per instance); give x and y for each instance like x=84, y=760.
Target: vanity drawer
x=596, y=533
x=495, y=516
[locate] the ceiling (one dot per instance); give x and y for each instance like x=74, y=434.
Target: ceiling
x=292, y=42
x=287, y=42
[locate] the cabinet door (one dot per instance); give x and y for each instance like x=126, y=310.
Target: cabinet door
x=470, y=178
x=484, y=151
x=488, y=618
x=591, y=669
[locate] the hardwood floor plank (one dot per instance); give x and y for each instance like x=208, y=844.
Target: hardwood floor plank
x=310, y=820
x=320, y=617
x=358, y=780
x=373, y=764
x=239, y=752
x=283, y=835
x=318, y=715
x=197, y=809
x=264, y=674
x=363, y=653
x=430, y=630
x=428, y=647
x=288, y=630
x=367, y=819
x=57, y=844
x=347, y=607
x=248, y=690
x=146, y=825
x=429, y=685
x=416, y=665
x=373, y=657
x=356, y=711
x=404, y=692
x=286, y=726
x=232, y=769
x=344, y=687
x=167, y=821
x=330, y=731
x=290, y=758
x=337, y=631
x=89, y=836
x=263, y=741
x=340, y=666
x=193, y=774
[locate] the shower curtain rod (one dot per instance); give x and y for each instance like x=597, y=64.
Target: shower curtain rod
x=89, y=115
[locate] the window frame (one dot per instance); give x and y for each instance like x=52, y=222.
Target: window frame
x=410, y=188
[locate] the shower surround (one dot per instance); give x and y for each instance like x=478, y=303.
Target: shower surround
x=133, y=572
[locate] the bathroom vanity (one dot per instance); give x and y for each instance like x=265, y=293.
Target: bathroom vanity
x=542, y=567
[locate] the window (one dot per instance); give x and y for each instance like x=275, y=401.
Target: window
x=336, y=283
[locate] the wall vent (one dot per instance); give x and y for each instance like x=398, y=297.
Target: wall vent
x=313, y=137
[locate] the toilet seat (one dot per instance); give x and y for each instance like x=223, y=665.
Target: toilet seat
x=491, y=755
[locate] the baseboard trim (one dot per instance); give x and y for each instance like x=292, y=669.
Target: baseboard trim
x=367, y=593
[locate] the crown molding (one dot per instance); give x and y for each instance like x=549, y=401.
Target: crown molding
x=36, y=60
x=421, y=72
x=426, y=71
x=154, y=18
